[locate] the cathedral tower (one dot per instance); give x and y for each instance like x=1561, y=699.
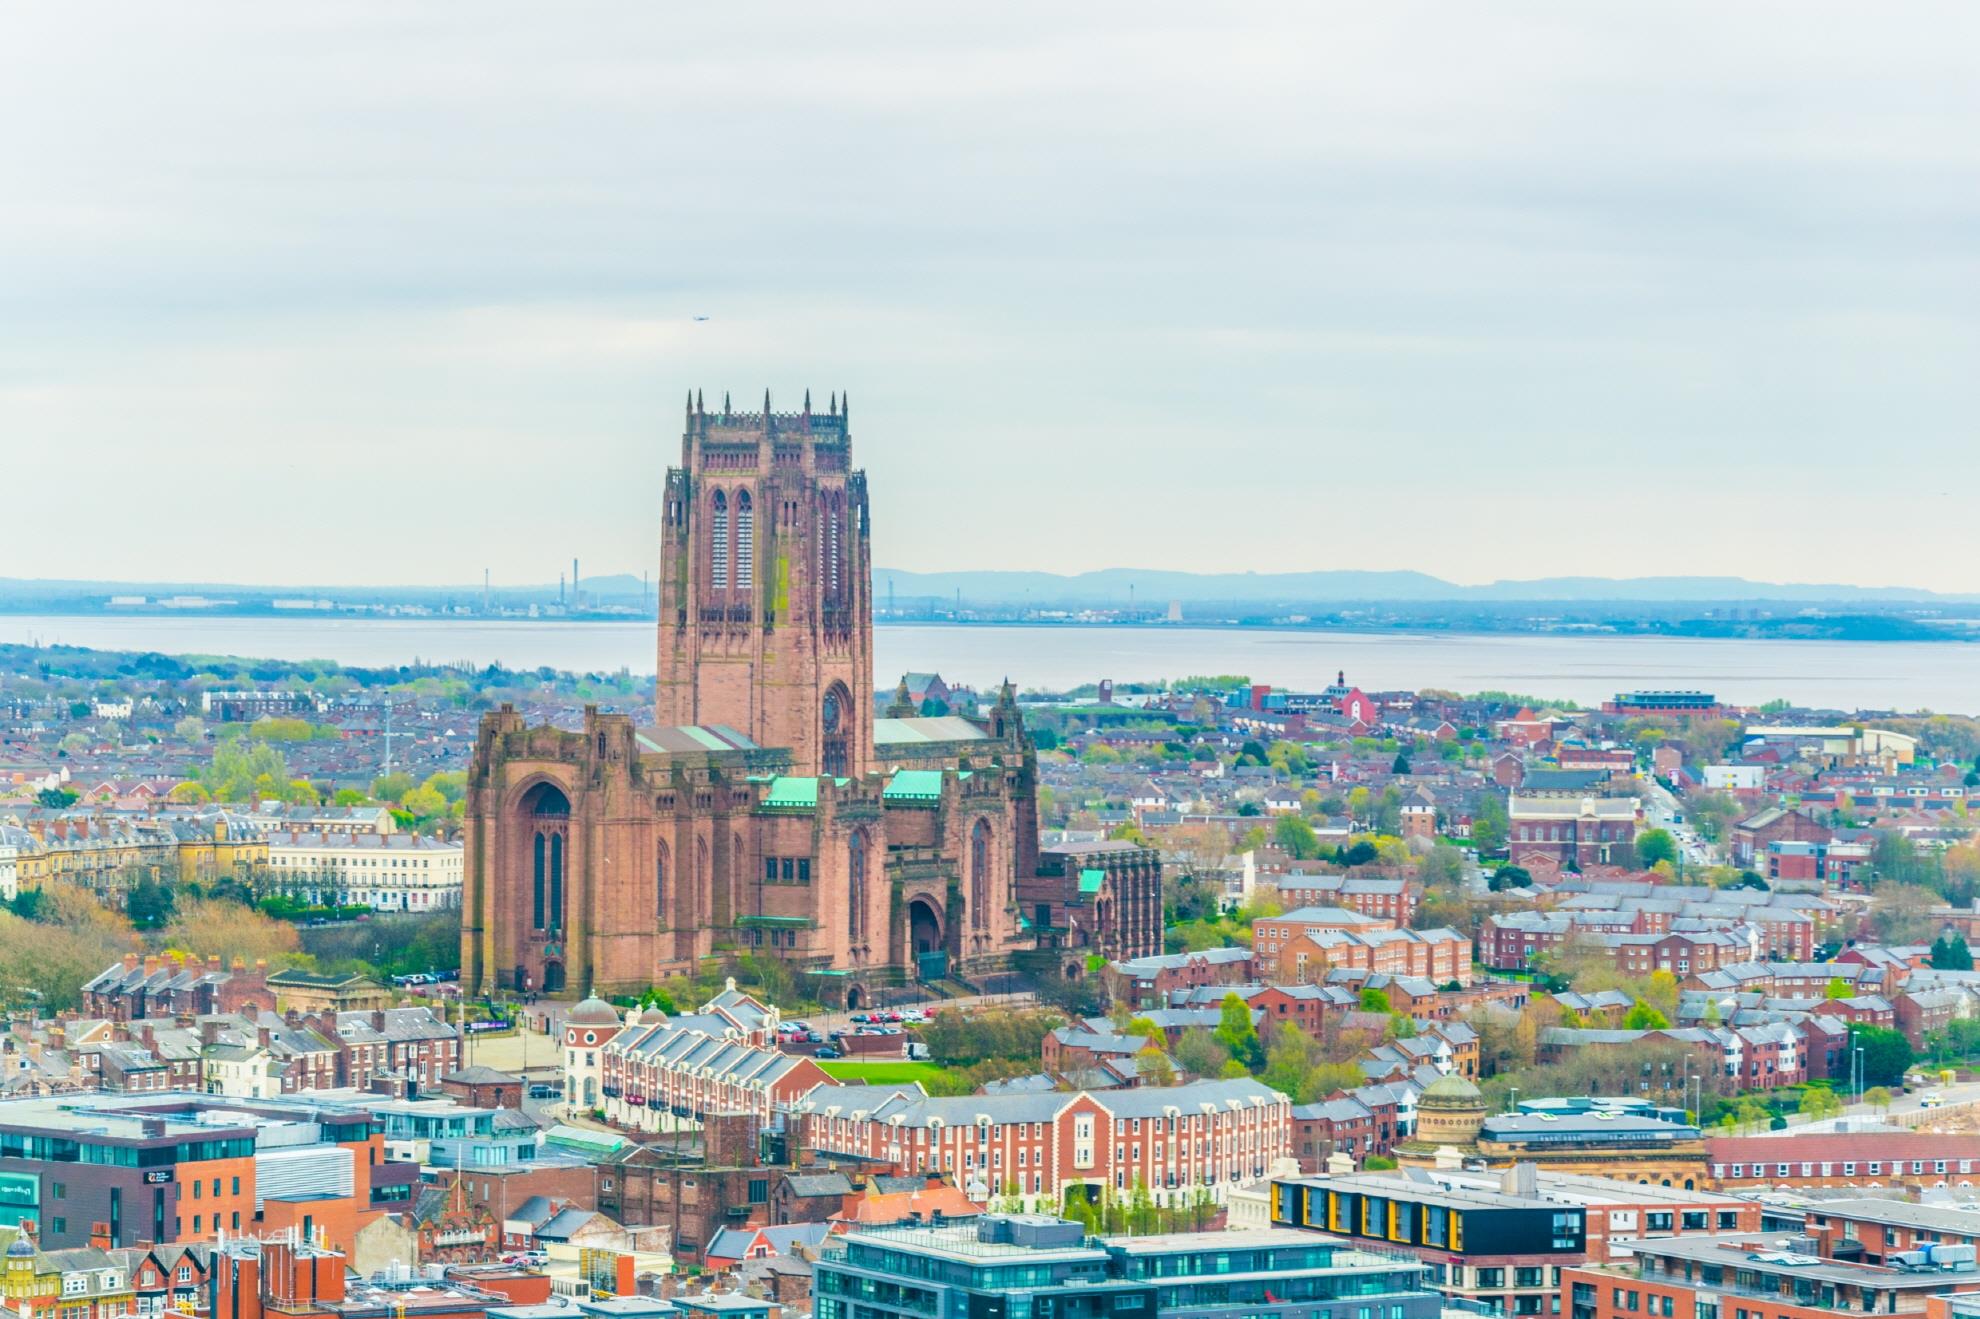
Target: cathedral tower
x=766, y=616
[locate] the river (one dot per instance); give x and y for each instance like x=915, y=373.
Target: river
x=1843, y=674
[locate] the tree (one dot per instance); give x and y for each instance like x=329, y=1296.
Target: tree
x=1902, y=912
x=1950, y=953
x=1201, y=848
x=149, y=903
x=1886, y=1053
x=1654, y=845
x=391, y=787
x=57, y=799
x=1837, y=988
x=1374, y=1000
x=1236, y=1032
x=1359, y=854
x=1296, y=836
x=1441, y=865
x=1488, y=822
x=1645, y=1017
x=1199, y=1054
x=1401, y=765
x=243, y=768
x=190, y=729
x=1357, y=803
x=1143, y=1028
x=188, y=794
x=1154, y=1068
x=211, y=928
x=424, y=802
x=1506, y=877
x=1878, y=1098
x=1819, y=1101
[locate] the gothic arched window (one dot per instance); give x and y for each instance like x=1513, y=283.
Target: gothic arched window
x=856, y=886
x=745, y=540
x=979, y=874
x=660, y=884
x=835, y=716
x=718, y=542
x=549, y=812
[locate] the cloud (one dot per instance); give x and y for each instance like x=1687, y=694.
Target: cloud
x=1287, y=286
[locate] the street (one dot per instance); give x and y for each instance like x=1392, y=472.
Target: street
x=1661, y=810
x=1952, y=1096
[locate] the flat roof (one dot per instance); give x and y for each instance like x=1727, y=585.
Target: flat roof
x=1762, y=1252
x=960, y=1242
x=1255, y=1238
x=1588, y=1190
x=81, y=1115
x=1407, y=1188
x=1874, y=1209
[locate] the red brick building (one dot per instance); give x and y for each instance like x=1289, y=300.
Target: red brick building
x=770, y=806
x=1173, y=1140
x=1866, y=1159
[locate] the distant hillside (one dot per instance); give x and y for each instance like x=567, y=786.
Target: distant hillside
x=1151, y=589
x=1154, y=587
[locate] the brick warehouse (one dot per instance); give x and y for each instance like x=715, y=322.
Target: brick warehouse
x=768, y=808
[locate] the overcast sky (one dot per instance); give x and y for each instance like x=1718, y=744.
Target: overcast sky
x=366, y=293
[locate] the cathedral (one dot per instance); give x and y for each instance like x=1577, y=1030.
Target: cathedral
x=771, y=807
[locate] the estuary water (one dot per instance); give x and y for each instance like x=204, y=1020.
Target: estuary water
x=1842, y=674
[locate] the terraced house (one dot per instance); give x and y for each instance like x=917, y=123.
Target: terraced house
x=1180, y=1142
x=667, y=1074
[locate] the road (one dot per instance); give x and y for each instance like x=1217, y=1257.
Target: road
x=1953, y=1095
x=1662, y=809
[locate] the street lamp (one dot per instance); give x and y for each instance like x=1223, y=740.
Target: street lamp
x=1856, y=1070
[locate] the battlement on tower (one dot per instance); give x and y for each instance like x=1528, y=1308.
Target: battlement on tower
x=730, y=425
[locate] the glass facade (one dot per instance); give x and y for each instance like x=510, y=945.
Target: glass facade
x=950, y=1273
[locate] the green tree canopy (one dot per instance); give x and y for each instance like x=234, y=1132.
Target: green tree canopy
x=1654, y=845
x=1886, y=1053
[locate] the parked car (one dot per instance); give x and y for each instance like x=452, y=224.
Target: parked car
x=827, y=1052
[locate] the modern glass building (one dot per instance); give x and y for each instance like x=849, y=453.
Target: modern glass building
x=1035, y=1267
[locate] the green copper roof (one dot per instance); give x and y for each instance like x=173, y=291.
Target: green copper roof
x=792, y=793
x=914, y=785
x=1091, y=880
x=776, y=922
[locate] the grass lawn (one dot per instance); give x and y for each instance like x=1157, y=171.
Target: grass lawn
x=880, y=1073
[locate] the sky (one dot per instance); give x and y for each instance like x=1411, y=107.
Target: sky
x=389, y=293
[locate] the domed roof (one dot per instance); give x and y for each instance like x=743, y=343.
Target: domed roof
x=1451, y=1092
x=593, y=1012
x=21, y=1245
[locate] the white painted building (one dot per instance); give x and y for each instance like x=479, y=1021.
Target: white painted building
x=1735, y=778
x=386, y=872
x=15, y=842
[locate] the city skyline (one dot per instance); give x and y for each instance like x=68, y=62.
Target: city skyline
x=340, y=290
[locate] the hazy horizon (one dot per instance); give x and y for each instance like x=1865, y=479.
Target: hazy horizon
x=381, y=294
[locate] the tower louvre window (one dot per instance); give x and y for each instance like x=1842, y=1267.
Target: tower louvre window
x=745, y=541
x=718, y=544
x=837, y=519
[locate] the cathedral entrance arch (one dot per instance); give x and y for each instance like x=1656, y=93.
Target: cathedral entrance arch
x=855, y=999
x=924, y=927
x=553, y=977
